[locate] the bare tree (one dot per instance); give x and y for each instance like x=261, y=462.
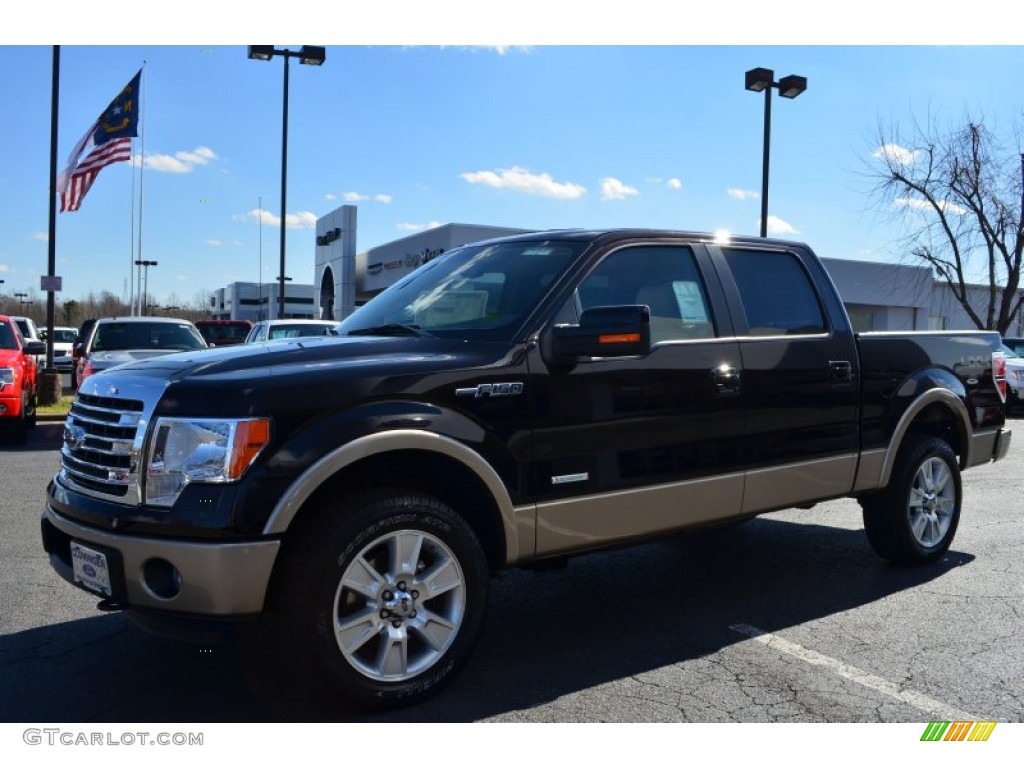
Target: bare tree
x=958, y=195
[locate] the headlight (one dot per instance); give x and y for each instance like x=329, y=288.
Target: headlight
x=184, y=451
x=7, y=376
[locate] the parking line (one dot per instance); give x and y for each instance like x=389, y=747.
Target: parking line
x=917, y=700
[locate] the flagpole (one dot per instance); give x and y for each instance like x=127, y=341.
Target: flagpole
x=49, y=380
x=131, y=244
x=142, y=167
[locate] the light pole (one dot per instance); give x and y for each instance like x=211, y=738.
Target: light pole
x=281, y=279
x=308, y=54
x=791, y=86
x=145, y=264
x=21, y=301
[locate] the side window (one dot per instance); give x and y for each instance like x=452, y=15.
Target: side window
x=777, y=294
x=665, y=278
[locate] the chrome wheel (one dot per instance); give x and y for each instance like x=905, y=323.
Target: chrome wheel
x=932, y=502
x=399, y=605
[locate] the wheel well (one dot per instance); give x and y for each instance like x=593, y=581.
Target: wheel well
x=431, y=473
x=936, y=420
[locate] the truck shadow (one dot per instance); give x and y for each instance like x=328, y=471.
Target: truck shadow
x=606, y=616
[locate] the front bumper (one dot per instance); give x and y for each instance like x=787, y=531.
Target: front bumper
x=215, y=579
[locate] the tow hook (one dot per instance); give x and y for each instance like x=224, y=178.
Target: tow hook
x=109, y=605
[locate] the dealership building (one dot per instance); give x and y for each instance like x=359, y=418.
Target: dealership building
x=878, y=296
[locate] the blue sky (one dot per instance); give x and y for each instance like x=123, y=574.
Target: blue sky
x=653, y=130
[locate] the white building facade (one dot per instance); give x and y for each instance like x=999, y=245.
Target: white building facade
x=878, y=296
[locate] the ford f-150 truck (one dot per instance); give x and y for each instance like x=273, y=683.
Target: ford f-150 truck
x=18, y=379
x=511, y=402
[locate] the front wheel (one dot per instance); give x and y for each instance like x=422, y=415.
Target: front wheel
x=381, y=596
x=914, y=519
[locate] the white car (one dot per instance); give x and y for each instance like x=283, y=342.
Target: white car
x=278, y=330
x=62, y=343
x=1014, y=380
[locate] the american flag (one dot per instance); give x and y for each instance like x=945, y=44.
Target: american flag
x=109, y=140
x=85, y=172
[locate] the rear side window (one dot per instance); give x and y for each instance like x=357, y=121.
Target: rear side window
x=777, y=294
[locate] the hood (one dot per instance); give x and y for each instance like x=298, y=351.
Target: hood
x=9, y=357
x=104, y=360
x=267, y=360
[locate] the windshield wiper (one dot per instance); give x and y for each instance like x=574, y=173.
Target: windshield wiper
x=391, y=329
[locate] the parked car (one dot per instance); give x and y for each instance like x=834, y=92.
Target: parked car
x=30, y=332
x=63, y=344
x=274, y=330
x=1014, y=376
x=116, y=340
x=223, y=333
x=76, y=351
x=18, y=379
x=1015, y=345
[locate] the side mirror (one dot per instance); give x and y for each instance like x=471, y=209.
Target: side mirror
x=618, y=331
x=35, y=348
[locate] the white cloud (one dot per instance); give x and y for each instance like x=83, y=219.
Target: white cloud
x=519, y=179
x=741, y=194
x=922, y=205
x=328, y=196
x=216, y=242
x=300, y=220
x=674, y=183
x=895, y=154
x=4, y=268
x=179, y=162
x=358, y=197
x=501, y=50
x=777, y=226
x=41, y=236
x=406, y=226
x=613, y=189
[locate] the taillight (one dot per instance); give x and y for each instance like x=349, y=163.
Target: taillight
x=87, y=372
x=999, y=373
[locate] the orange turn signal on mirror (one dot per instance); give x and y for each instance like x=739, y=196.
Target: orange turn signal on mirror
x=619, y=338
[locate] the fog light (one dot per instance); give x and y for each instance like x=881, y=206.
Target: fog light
x=3, y=408
x=161, y=578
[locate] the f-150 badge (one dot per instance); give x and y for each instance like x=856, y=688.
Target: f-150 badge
x=503, y=389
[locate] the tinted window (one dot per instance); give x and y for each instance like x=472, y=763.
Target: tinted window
x=778, y=297
x=665, y=278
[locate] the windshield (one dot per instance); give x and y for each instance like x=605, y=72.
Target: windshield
x=116, y=337
x=480, y=292
x=64, y=335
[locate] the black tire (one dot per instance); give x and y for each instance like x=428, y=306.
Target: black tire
x=406, y=575
x=914, y=519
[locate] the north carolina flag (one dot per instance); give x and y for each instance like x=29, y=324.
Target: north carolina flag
x=109, y=140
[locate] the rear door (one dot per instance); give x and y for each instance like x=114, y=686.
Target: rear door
x=627, y=447
x=800, y=376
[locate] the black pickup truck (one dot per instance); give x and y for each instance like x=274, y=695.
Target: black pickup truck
x=509, y=403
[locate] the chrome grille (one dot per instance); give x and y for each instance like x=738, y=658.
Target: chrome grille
x=104, y=433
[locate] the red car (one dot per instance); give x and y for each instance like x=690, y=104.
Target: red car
x=222, y=333
x=18, y=379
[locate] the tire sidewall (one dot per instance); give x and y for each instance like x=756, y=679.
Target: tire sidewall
x=917, y=455
x=342, y=540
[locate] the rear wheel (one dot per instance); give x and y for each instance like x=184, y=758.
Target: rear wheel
x=914, y=519
x=381, y=596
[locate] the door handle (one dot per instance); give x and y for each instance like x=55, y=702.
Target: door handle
x=840, y=372
x=726, y=381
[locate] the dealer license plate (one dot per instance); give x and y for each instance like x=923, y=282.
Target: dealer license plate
x=90, y=568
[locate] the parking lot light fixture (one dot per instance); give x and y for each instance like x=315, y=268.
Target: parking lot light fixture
x=762, y=79
x=308, y=54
